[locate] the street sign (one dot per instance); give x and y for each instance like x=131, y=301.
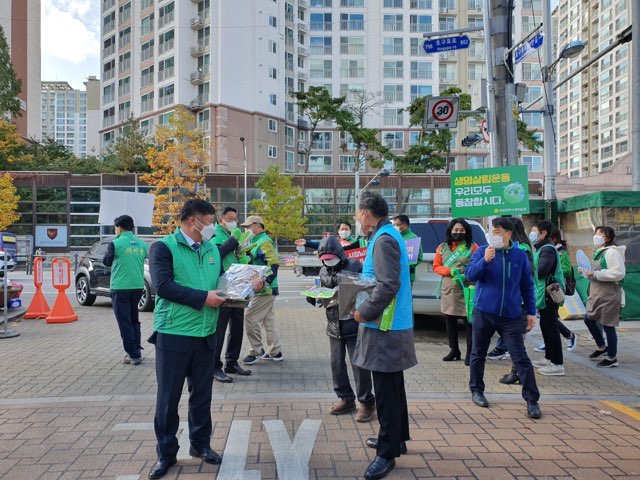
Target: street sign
x=445, y=44
x=526, y=48
x=487, y=192
x=484, y=130
x=441, y=112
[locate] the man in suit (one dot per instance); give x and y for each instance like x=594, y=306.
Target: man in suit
x=185, y=268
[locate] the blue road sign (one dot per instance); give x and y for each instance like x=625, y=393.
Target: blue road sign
x=445, y=44
x=525, y=49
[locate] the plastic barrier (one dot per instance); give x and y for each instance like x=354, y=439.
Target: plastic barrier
x=38, y=308
x=62, y=311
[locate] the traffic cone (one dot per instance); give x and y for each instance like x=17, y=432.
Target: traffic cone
x=38, y=308
x=62, y=311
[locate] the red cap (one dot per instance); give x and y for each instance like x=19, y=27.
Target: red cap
x=327, y=256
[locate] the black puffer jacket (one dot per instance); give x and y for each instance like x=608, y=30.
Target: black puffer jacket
x=337, y=329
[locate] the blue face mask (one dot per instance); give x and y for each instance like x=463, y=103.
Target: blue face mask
x=533, y=237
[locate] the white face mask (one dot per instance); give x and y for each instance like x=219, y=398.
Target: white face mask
x=344, y=234
x=332, y=263
x=397, y=228
x=533, y=237
x=598, y=240
x=231, y=225
x=497, y=242
x=208, y=231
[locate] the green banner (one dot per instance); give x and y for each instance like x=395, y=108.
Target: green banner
x=486, y=192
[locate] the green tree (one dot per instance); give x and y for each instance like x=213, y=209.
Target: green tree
x=9, y=83
x=8, y=201
x=527, y=137
x=49, y=155
x=127, y=153
x=282, y=205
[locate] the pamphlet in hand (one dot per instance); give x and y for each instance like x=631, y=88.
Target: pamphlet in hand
x=237, y=283
x=354, y=289
x=320, y=293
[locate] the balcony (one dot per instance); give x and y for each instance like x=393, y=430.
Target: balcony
x=124, y=40
x=146, y=105
x=198, y=102
x=303, y=51
x=108, y=27
x=110, y=50
x=109, y=74
x=166, y=73
x=166, y=19
x=302, y=26
x=124, y=65
x=123, y=115
x=303, y=3
x=108, y=121
x=200, y=20
x=146, y=54
x=165, y=101
x=303, y=124
x=165, y=46
x=201, y=48
x=199, y=77
x=108, y=98
x=204, y=126
x=107, y=4
x=421, y=74
x=146, y=79
x=303, y=76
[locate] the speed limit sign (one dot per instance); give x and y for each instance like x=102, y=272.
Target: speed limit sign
x=441, y=112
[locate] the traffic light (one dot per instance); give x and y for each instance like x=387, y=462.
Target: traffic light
x=471, y=140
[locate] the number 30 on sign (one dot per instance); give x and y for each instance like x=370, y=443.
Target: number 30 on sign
x=441, y=112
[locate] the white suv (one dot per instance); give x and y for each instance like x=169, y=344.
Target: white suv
x=432, y=232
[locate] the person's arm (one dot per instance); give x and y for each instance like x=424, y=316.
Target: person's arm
x=228, y=246
x=270, y=257
x=161, y=270
x=437, y=264
x=547, y=262
x=477, y=266
x=526, y=287
x=386, y=258
x=313, y=244
x=615, y=270
x=352, y=246
x=565, y=264
x=110, y=255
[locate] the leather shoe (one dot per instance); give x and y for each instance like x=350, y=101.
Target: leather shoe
x=373, y=443
x=342, y=406
x=237, y=369
x=161, y=468
x=222, y=377
x=379, y=468
x=479, y=399
x=510, y=379
x=207, y=455
x=533, y=409
x=365, y=412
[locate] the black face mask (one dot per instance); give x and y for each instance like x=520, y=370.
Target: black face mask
x=458, y=237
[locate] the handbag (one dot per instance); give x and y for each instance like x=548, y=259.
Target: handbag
x=555, y=293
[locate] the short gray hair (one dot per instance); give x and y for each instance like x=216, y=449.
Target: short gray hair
x=374, y=203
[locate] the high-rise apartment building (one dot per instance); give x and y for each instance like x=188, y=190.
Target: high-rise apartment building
x=593, y=107
x=65, y=115
x=20, y=20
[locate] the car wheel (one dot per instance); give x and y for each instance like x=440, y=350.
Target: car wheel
x=83, y=293
x=146, y=302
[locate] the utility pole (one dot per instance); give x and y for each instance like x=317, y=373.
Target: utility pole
x=550, y=160
x=635, y=96
x=491, y=89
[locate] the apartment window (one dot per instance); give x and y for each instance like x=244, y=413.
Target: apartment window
x=531, y=71
x=124, y=62
x=320, y=69
x=352, y=91
x=272, y=151
x=352, y=3
x=165, y=95
x=532, y=119
x=289, y=161
x=289, y=137
x=322, y=141
x=421, y=70
x=272, y=125
x=109, y=22
x=320, y=163
x=392, y=69
x=273, y=21
x=146, y=102
x=288, y=12
x=420, y=23
x=124, y=12
x=109, y=46
x=533, y=163
x=273, y=99
x=165, y=118
x=321, y=3
x=288, y=85
x=273, y=46
x=421, y=4
x=476, y=71
x=124, y=110
x=447, y=73
x=146, y=25
x=393, y=140
x=392, y=4
x=352, y=68
x=301, y=159
x=166, y=14
x=146, y=126
x=352, y=21
x=532, y=94
x=124, y=86
x=347, y=163
x=391, y=117
x=392, y=93
x=352, y=45
x=165, y=68
x=392, y=46
x=447, y=23
x=320, y=45
x=146, y=76
x=108, y=93
x=146, y=51
x=124, y=37
x=145, y=4
x=476, y=162
x=166, y=41
x=416, y=46
x=320, y=21
x=273, y=72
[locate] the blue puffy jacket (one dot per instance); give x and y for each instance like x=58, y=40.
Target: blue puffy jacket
x=503, y=284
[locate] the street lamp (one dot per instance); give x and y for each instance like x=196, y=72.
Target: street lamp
x=244, y=151
x=374, y=181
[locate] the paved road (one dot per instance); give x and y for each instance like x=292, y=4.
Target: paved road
x=70, y=409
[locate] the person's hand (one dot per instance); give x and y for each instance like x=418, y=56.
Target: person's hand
x=301, y=242
x=531, y=322
x=257, y=284
x=455, y=271
x=462, y=277
x=588, y=274
x=244, y=259
x=236, y=233
x=213, y=300
x=358, y=317
x=489, y=254
x=580, y=270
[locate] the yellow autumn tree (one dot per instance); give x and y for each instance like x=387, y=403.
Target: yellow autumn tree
x=177, y=165
x=9, y=199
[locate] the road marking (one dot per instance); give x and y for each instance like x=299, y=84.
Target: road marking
x=234, y=459
x=632, y=412
x=128, y=477
x=292, y=460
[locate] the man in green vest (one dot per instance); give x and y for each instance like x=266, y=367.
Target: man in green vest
x=259, y=314
x=185, y=268
x=403, y=225
x=125, y=255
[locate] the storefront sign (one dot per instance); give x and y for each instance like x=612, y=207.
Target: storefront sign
x=51, y=236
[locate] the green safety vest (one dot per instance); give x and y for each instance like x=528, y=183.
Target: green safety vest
x=540, y=284
x=127, y=271
x=258, y=241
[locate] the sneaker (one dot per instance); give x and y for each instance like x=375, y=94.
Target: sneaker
x=606, y=363
x=540, y=348
x=251, y=359
x=131, y=361
x=274, y=358
x=498, y=354
x=552, y=370
x=540, y=363
x=597, y=353
x=572, y=342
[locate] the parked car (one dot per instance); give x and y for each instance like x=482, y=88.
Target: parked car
x=11, y=263
x=93, y=277
x=432, y=233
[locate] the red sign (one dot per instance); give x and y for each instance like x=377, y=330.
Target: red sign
x=61, y=273
x=442, y=111
x=357, y=254
x=344, y=242
x=38, y=272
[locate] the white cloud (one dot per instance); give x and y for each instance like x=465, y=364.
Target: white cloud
x=70, y=30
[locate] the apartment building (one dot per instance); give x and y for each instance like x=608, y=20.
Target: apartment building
x=20, y=21
x=230, y=62
x=593, y=107
x=67, y=115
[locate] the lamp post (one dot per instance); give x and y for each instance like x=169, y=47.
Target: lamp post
x=244, y=151
x=374, y=181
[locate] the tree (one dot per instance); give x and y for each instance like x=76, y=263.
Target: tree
x=281, y=206
x=177, y=165
x=528, y=137
x=13, y=148
x=127, y=153
x=319, y=106
x=9, y=83
x=8, y=201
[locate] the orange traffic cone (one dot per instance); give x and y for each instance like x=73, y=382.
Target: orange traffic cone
x=38, y=308
x=62, y=311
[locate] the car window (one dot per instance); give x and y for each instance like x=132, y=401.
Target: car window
x=433, y=234
x=102, y=249
x=479, y=235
